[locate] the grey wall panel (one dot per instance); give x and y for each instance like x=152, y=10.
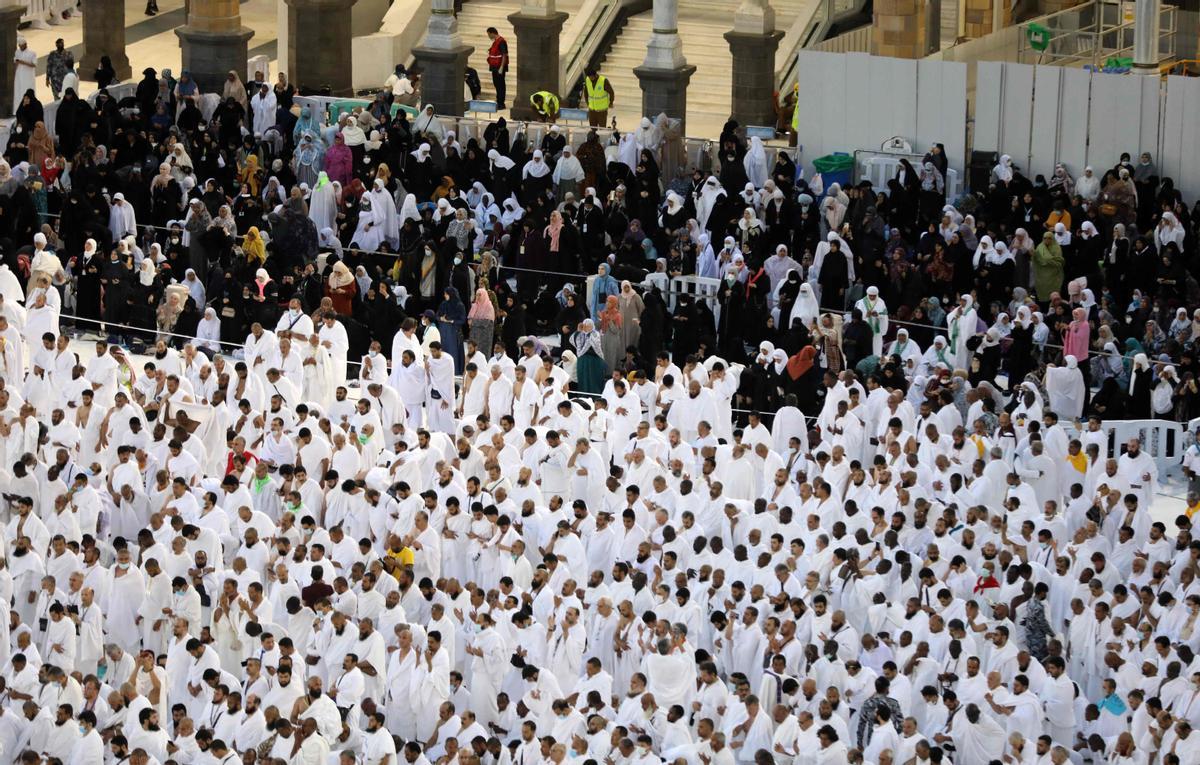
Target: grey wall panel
x=1047, y=103
x=989, y=79
x=941, y=112
x=811, y=114
x=1151, y=104
x=1016, y=113
x=1075, y=90
x=858, y=130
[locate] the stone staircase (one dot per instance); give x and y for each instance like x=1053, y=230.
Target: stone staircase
x=702, y=25
x=474, y=19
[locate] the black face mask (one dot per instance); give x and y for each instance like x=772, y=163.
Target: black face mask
x=314, y=693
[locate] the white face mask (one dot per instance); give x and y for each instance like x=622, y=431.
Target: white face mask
x=373, y=354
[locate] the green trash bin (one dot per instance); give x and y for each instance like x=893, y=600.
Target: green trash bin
x=835, y=168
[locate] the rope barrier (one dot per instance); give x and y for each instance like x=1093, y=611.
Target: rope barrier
x=671, y=291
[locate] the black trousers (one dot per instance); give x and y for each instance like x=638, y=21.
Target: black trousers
x=498, y=82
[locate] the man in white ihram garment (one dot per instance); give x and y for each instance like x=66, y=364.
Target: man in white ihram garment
x=439, y=403
x=874, y=313
x=25, y=74
x=670, y=675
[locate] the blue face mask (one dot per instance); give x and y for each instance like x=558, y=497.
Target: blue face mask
x=179, y=592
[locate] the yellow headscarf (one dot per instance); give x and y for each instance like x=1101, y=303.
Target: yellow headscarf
x=253, y=246
x=249, y=174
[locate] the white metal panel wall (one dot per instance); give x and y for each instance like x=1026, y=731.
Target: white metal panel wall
x=989, y=79
x=1075, y=94
x=1178, y=157
x=1113, y=123
x=852, y=101
x=1047, y=105
x=1016, y=113
x=941, y=112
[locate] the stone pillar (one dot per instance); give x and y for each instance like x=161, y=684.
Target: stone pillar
x=104, y=35
x=1145, y=37
x=982, y=17
x=536, y=28
x=753, y=42
x=318, y=46
x=664, y=74
x=442, y=60
x=898, y=28
x=214, y=42
x=10, y=17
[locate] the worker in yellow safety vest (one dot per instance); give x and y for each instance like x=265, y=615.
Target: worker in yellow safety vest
x=600, y=97
x=545, y=105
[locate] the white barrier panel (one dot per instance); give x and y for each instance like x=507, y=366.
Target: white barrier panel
x=1163, y=440
x=925, y=102
x=879, y=169
x=1044, y=115
x=700, y=288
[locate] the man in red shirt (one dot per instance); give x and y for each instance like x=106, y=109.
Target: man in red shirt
x=497, y=61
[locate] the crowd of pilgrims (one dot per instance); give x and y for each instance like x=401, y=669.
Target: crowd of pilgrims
x=215, y=554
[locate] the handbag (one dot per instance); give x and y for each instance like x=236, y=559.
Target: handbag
x=1108, y=208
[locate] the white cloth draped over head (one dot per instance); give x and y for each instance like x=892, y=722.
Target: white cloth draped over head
x=568, y=167
x=383, y=206
x=536, y=167
x=627, y=151
x=984, y=250
x=427, y=122
x=707, y=200
x=512, y=212
x=904, y=347
x=1066, y=389
x=499, y=161
x=706, y=258
x=755, y=163
x=1003, y=170
x=409, y=209
x=486, y=210
x=1061, y=234
x=823, y=249
x=806, y=308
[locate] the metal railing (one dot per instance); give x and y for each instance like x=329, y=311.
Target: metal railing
x=594, y=29
x=808, y=31
x=1092, y=33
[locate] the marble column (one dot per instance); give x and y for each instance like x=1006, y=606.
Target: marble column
x=214, y=42
x=442, y=60
x=10, y=18
x=536, y=28
x=104, y=35
x=664, y=74
x=318, y=46
x=1145, y=36
x=753, y=42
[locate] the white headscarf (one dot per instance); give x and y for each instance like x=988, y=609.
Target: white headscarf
x=755, y=163
x=707, y=200
x=499, y=161
x=568, y=167
x=535, y=167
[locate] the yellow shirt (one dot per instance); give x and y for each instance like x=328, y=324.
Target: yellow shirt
x=404, y=557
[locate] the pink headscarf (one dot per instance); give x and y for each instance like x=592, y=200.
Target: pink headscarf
x=1077, y=336
x=482, y=307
